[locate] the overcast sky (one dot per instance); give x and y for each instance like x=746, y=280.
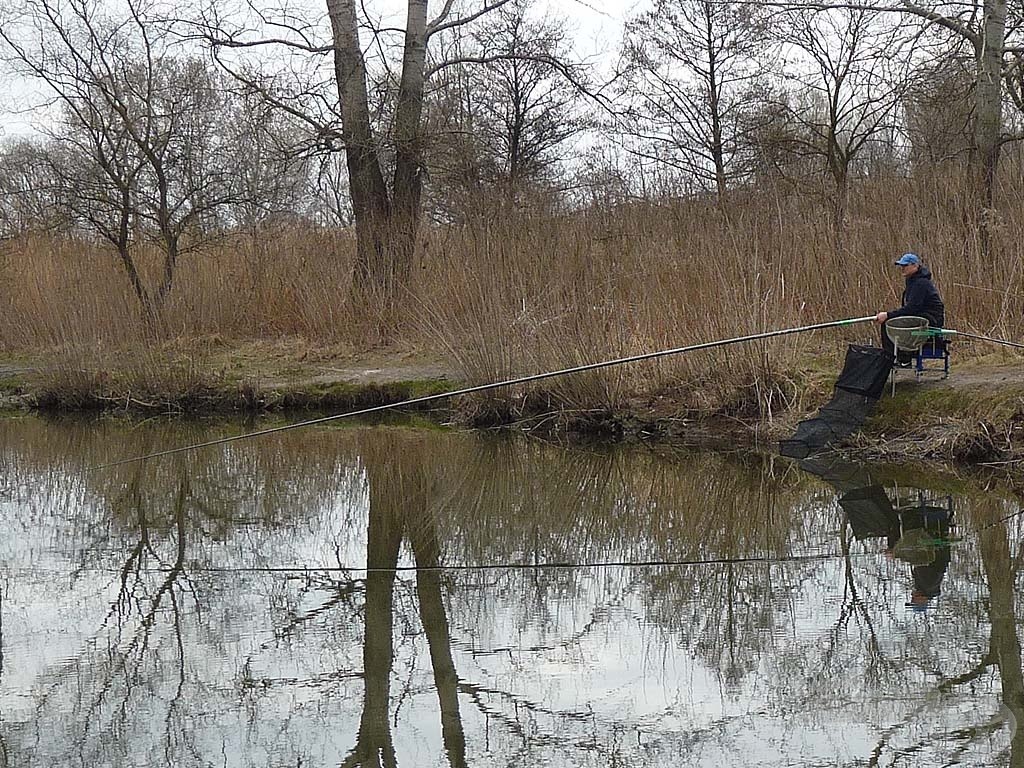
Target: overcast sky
x=595, y=26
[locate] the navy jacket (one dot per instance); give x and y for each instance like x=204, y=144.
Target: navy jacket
x=921, y=299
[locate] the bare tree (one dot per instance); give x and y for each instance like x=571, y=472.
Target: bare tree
x=983, y=26
x=848, y=79
x=142, y=154
x=690, y=85
x=938, y=111
x=525, y=107
x=501, y=104
x=386, y=206
x=330, y=190
x=28, y=189
x=274, y=173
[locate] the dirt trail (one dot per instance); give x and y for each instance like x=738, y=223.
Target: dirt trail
x=983, y=374
x=276, y=368
x=360, y=372
x=286, y=365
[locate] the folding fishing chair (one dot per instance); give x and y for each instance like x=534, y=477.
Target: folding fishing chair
x=935, y=348
x=912, y=334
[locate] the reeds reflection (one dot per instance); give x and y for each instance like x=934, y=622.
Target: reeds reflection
x=387, y=596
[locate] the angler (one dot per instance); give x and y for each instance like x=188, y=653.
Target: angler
x=920, y=299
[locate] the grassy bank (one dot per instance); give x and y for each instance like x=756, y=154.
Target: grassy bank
x=228, y=380
x=517, y=292
x=978, y=418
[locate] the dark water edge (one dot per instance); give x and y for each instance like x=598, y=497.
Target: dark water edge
x=937, y=424
x=89, y=395
x=383, y=595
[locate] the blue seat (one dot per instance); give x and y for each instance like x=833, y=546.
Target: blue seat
x=936, y=348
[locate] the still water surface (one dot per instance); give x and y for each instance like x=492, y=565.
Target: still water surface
x=391, y=596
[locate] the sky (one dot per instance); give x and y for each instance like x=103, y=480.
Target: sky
x=595, y=26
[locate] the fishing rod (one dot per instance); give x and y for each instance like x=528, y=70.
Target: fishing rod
x=943, y=332
x=495, y=385
x=506, y=566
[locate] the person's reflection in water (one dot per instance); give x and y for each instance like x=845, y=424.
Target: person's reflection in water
x=919, y=535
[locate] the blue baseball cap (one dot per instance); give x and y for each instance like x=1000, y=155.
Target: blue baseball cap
x=919, y=602
x=907, y=258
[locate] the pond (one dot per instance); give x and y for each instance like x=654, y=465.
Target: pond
x=388, y=595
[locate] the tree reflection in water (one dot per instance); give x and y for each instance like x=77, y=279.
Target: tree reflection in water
x=4, y=759
x=1004, y=644
x=401, y=501
x=252, y=607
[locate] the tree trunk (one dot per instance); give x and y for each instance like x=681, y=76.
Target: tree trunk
x=149, y=313
x=714, y=101
x=408, y=186
x=170, y=264
x=988, y=95
x=121, y=239
x=371, y=205
x=839, y=167
x=988, y=114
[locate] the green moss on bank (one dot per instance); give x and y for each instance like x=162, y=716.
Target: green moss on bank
x=12, y=394
x=102, y=391
x=919, y=405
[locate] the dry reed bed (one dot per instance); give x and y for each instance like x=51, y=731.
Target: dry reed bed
x=512, y=295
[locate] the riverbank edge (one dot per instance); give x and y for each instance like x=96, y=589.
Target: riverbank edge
x=929, y=420
x=20, y=394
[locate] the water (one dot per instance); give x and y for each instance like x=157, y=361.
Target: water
x=597, y=607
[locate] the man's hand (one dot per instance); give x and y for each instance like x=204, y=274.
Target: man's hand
x=881, y=317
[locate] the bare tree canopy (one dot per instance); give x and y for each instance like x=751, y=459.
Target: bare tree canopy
x=167, y=127
x=848, y=74
x=693, y=75
x=149, y=147
x=501, y=107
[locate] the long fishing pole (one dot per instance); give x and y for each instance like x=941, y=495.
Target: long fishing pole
x=495, y=385
x=1004, y=342
x=943, y=332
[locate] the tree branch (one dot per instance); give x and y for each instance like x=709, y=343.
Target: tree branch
x=434, y=27
x=952, y=25
x=551, y=61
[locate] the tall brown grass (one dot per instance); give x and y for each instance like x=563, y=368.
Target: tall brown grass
x=505, y=294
